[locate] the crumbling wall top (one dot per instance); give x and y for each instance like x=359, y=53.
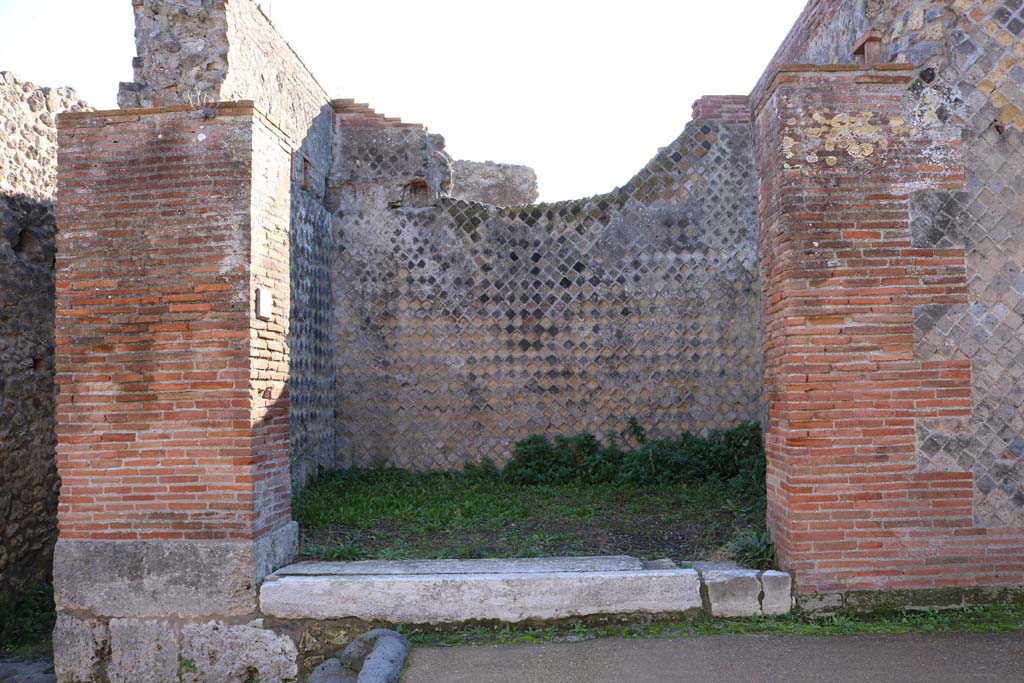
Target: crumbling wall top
x=28, y=135
x=488, y=182
x=202, y=52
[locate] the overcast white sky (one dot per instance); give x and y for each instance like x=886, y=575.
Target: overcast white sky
x=584, y=91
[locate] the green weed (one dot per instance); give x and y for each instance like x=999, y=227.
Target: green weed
x=26, y=623
x=754, y=550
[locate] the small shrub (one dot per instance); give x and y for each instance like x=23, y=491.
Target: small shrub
x=735, y=456
x=754, y=550
x=603, y=465
x=186, y=666
x=483, y=471
x=532, y=463
x=538, y=461
x=26, y=623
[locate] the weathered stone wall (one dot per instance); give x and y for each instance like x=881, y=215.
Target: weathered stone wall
x=392, y=402
x=202, y=52
x=847, y=22
x=378, y=163
x=487, y=182
x=182, y=53
x=205, y=51
x=462, y=327
x=311, y=377
x=28, y=474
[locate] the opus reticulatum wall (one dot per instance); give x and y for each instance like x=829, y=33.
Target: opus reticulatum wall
x=461, y=328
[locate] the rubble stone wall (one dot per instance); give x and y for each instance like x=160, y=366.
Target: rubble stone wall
x=28, y=475
x=487, y=182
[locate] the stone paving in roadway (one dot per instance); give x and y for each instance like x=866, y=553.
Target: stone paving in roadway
x=911, y=658
x=27, y=672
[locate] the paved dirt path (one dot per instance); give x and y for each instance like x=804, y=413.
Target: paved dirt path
x=931, y=658
x=26, y=672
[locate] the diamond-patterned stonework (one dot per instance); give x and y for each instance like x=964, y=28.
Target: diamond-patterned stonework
x=311, y=356
x=461, y=328
x=976, y=55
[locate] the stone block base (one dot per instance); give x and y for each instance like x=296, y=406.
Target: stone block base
x=154, y=579
x=883, y=602
x=744, y=593
x=159, y=631
x=175, y=611
x=157, y=651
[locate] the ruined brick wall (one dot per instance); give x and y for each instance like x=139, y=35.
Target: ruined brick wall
x=890, y=223
x=964, y=527
x=269, y=396
x=462, y=327
x=487, y=182
x=843, y=387
x=134, y=391
x=173, y=416
x=208, y=51
x=28, y=474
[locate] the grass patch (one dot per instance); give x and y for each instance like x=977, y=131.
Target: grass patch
x=26, y=624
x=683, y=499
x=994, y=619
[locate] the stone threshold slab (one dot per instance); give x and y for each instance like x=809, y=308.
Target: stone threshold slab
x=483, y=566
x=505, y=597
x=521, y=589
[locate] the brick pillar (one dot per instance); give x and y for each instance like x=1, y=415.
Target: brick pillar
x=728, y=108
x=840, y=151
x=173, y=407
